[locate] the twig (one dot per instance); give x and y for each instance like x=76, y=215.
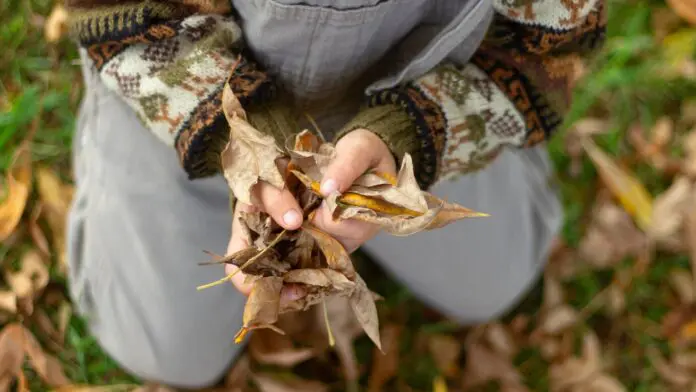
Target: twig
x=316, y=127
x=248, y=263
x=332, y=341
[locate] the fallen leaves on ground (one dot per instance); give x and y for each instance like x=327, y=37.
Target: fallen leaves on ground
x=385, y=364
x=56, y=24
x=16, y=191
x=17, y=344
x=625, y=187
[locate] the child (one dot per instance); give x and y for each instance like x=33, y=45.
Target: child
x=458, y=84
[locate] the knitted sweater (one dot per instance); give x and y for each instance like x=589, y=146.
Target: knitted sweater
x=169, y=60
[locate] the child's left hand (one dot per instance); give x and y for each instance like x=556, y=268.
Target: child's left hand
x=356, y=153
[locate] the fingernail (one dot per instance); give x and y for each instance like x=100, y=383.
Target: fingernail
x=292, y=218
x=293, y=293
x=329, y=186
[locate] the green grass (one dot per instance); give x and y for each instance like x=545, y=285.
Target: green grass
x=40, y=88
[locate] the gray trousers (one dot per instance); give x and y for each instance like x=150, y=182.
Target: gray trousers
x=138, y=226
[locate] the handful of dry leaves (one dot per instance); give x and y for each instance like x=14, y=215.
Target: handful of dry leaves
x=308, y=256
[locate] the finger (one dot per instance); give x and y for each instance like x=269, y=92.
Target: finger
x=291, y=292
x=356, y=152
x=237, y=243
x=346, y=167
x=279, y=204
x=350, y=233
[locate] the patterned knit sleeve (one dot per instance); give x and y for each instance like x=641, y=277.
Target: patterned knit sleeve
x=513, y=92
x=169, y=61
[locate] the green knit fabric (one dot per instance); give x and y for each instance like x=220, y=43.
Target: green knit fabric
x=276, y=119
x=392, y=124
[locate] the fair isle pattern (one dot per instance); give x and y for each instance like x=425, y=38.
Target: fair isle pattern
x=164, y=82
x=554, y=14
x=480, y=117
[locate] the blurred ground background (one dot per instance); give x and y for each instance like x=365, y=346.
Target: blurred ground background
x=616, y=310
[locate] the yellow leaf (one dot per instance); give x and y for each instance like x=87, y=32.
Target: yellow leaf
x=688, y=331
x=679, y=46
x=439, y=384
x=56, y=24
x=18, y=182
x=632, y=195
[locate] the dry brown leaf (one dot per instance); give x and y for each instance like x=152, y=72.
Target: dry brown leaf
x=310, y=156
x=64, y=314
x=365, y=310
x=238, y=375
x=269, y=383
x=16, y=192
x=559, y=319
x=578, y=373
x=676, y=318
x=664, y=21
x=11, y=354
x=100, y=388
x=153, y=387
x=345, y=328
x=55, y=198
x=672, y=374
x=321, y=277
x=32, y=276
x=685, y=9
x=262, y=307
x=691, y=235
x=601, y=383
x=249, y=157
x=8, y=301
x=669, y=211
x=685, y=360
x=37, y=234
x=483, y=365
x=616, y=300
x=15, y=343
x=336, y=256
x=270, y=348
x=385, y=364
x=445, y=351
x=501, y=340
x=56, y=24
x=626, y=188
x=683, y=283
x=611, y=237
x=553, y=292
x=406, y=193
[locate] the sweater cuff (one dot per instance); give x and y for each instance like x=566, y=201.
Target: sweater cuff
x=202, y=157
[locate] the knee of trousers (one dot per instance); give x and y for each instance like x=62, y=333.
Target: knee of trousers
x=172, y=356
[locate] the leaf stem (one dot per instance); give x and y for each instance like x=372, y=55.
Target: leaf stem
x=248, y=263
x=332, y=341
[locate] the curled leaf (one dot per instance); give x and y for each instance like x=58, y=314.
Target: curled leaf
x=18, y=180
x=31, y=278
x=248, y=158
x=262, y=307
x=365, y=310
x=626, y=188
x=336, y=256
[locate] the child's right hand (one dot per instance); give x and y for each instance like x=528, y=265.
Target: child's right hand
x=283, y=209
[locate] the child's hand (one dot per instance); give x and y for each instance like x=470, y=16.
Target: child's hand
x=356, y=153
